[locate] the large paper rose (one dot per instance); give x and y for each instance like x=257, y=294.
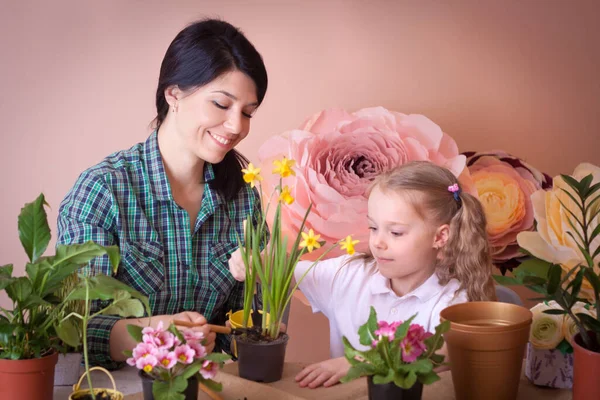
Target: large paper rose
x=546, y=329
x=338, y=154
x=553, y=241
x=505, y=184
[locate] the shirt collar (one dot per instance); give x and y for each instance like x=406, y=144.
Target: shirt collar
x=380, y=285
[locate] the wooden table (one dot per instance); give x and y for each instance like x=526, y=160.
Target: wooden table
x=236, y=388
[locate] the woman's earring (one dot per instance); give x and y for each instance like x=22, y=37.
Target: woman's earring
x=175, y=107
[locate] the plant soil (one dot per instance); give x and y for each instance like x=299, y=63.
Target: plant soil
x=99, y=396
x=254, y=335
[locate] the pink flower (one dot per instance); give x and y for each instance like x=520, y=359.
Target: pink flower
x=339, y=153
x=189, y=335
x=413, y=345
x=505, y=184
x=209, y=370
x=146, y=363
x=386, y=329
x=199, y=350
x=143, y=349
x=184, y=354
x=166, y=359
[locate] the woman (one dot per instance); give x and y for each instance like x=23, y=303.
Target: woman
x=175, y=204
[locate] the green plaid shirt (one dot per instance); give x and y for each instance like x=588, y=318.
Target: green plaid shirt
x=126, y=200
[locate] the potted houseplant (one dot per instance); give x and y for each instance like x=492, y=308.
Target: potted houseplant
x=121, y=300
x=564, y=265
x=400, y=358
x=269, y=274
x=29, y=340
x=172, y=365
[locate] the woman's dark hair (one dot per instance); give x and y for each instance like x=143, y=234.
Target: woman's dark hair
x=199, y=54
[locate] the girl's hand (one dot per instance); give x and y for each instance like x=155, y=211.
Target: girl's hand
x=326, y=373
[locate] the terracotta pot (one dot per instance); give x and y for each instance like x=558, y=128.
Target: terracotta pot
x=27, y=379
x=190, y=393
x=261, y=362
x=486, y=345
x=79, y=393
x=389, y=391
x=586, y=365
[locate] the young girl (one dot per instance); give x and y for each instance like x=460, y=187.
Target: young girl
x=428, y=250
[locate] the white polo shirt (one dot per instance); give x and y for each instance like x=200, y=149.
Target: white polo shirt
x=345, y=293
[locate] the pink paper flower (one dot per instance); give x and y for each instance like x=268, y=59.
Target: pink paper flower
x=413, y=345
x=505, y=184
x=166, y=359
x=386, y=329
x=189, y=335
x=143, y=349
x=337, y=156
x=209, y=370
x=185, y=354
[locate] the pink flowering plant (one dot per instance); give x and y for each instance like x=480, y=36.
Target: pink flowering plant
x=172, y=358
x=398, y=352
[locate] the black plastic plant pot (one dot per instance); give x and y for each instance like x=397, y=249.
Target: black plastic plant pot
x=389, y=391
x=261, y=361
x=190, y=393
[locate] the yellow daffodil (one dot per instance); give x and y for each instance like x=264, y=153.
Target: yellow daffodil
x=310, y=241
x=252, y=175
x=286, y=196
x=284, y=167
x=348, y=245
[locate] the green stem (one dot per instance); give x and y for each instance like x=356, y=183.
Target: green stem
x=85, y=347
x=387, y=355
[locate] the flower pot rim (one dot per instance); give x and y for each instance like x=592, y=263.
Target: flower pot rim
x=524, y=321
x=111, y=392
x=581, y=348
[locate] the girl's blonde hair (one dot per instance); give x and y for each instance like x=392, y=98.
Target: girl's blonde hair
x=466, y=255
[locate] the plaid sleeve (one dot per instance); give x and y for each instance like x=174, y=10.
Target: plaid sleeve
x=88, y=213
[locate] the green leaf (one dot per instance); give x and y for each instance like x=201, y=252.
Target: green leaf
x=428, y=379
x=584, y=185
x=128, y=353
x=534, y=281
x=125, y=308
x=554, y=275
x=402, y=330
x=594, y=233
x=135, y=332
x=367, y=331
x=20, y=289
x=212, y=385
x=168, y=390
x=218, y=358
x=564, y=347
x=535, y=267
x=67, y=332
x=383, y=379
x=593, y=189
x=572, y=182
x=406, y=381
x=589, y=321
x=81, y=254
x=6, y=276
x=6, y=332
x=506, y=280
x=34, y=231
x=593, y=279
x=192, y=369
x=419, y=366
x=555, y=312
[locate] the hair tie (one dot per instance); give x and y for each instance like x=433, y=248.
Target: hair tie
x=454, y=189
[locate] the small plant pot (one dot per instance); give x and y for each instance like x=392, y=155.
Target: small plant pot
x=66, y=372
x=190, y=393
x=261, y=361
x=31, y=379
x=389, y=391
x=586, y=364
x=99, y=393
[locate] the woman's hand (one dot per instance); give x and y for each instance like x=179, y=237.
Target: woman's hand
x=195, y=318
x=326, y=373
x=237, y=267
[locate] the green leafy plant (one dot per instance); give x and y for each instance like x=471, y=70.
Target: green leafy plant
x=399, y=352
x=274, y=265
x=41, y=320
x=578, y=203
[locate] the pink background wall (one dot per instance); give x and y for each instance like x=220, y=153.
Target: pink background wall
x=78, y=81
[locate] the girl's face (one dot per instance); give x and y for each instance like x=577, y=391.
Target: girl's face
x=403, y=244
x=213, y=119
